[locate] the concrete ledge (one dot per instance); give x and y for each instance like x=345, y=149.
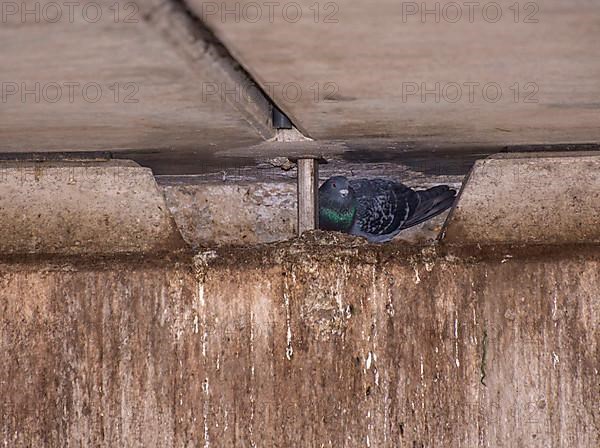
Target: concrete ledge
x=249, y=212
x=83, y=208
x=540, y=198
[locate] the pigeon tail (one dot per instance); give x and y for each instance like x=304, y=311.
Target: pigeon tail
x=432, y=202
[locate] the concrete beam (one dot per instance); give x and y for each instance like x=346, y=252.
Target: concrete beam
x=302, y=345
x=535, y=198
x=83, y=208
x=358, y=73
x=154, y=75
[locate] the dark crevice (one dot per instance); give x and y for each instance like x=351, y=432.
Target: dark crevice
x=483, y=367
x=58, y=156
x=204, y=33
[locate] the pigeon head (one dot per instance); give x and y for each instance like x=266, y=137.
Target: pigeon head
x=337, y=204
x=337, y=186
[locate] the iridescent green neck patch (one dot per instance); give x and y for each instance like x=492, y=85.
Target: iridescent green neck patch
x=343, y=218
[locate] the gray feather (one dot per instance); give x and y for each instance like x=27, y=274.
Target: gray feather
x=386, y=207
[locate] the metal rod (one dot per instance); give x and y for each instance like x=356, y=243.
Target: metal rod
x=308, y=195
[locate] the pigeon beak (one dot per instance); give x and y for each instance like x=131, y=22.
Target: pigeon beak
x=344, y=192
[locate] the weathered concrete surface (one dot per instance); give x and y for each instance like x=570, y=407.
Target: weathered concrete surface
x=541, y=198
x=227, y=213
x=106, y=77
x=346, y=69
x=156, y=70
x=83, y=208
x=304, y=345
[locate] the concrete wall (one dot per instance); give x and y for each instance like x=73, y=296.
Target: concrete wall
x=304, y=344
x=131, y=339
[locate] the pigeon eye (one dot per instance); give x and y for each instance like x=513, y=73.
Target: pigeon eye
x=334, y=185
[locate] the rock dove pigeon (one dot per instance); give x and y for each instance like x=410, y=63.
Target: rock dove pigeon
x=378, y=209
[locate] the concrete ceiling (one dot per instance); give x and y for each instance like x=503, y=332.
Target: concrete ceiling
x=133, y=88
x=355, y=66
x=372, y=61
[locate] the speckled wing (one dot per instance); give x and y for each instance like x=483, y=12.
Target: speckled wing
x=383, y=207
